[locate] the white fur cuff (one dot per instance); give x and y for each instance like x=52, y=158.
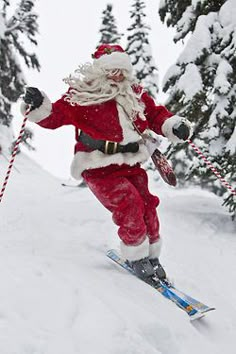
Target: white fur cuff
x=40, y=113
x=167, y=128
x=134, y=253
x=155, y=249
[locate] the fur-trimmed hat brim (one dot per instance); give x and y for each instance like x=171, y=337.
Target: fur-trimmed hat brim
x=115, y=60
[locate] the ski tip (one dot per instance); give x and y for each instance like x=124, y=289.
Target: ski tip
x=110, y=252
x=199, y=315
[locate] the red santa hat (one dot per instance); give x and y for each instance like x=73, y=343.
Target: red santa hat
x=110, y=57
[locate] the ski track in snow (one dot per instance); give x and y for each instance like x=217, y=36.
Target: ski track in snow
x=61, y=295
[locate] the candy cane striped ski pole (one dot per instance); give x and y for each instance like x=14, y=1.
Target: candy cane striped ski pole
x=213, y=169
x=9, y=161
x=14, y=152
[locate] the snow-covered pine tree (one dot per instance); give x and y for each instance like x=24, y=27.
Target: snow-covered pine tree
x=109, y=31
x=14, y=29
x=202, y=87
x=139, y=48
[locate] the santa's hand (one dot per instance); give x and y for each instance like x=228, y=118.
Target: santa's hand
x=33, y=97
x=177, y=129
x=181, y=130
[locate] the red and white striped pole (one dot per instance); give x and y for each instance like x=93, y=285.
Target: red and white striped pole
x=14, y=152
x=213, y=169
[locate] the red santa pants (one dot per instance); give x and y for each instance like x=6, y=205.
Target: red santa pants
x=124, y=191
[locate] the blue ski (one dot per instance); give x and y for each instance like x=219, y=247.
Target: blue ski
x=194, y=308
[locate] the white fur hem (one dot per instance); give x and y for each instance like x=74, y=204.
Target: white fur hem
x=134, y=253
x=40, y=113
x=86, y=160
x=115, y=60
x=155, y=249
x=167, y=128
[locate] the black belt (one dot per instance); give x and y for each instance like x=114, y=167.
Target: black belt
x=107, y=147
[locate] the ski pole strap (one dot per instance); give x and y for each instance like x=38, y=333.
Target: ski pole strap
x=14, y=152
x=213, y=169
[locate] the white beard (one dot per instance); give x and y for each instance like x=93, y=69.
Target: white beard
x=90, y=85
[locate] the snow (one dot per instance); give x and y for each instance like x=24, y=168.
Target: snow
x=200, y=41
x=230, y=145
x=221, y=82
x=227, y=13
x=162, y=3
x=190, y=82
x=173, y=72
x=184, y=23
x=227, y=18
x=2, y=26
x=6, y=138
x=195, y=3
x=60, y=294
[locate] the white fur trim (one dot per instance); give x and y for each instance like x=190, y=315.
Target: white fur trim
x=155, y=249
x=167, y=128
x=115, y=60
x=130, y=135
x=95, y=159
x=127, y=106
x=40, y=113
x=134, y=253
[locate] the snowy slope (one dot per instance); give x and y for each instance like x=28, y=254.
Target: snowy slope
x=61, y=295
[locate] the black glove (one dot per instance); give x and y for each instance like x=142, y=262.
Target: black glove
x=33, y=97
x=182, y=131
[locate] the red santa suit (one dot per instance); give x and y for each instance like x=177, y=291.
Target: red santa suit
x=117, y=180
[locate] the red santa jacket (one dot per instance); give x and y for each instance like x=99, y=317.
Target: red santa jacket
x=103, y=121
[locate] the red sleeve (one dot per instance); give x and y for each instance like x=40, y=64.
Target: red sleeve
x=61, y=114
x=156, y=115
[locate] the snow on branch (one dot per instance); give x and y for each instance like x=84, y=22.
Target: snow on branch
x=23, y=20
x=221, y=82
x=200, y=42
x=190, y=82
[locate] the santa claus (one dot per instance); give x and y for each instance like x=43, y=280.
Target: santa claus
x=109, y=111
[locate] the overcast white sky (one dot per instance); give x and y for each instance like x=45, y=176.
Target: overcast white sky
x=68, y=36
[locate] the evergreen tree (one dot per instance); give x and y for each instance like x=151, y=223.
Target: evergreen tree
x=202, y=87
x=108, y=30
x=139, y=49
x=14, y=30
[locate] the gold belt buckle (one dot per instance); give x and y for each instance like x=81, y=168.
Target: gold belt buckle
x=107, y=146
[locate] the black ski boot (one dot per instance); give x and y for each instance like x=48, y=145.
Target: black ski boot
x=158, y=269
x=143, y=268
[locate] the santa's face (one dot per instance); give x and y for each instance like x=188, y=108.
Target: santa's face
x=116, y=75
